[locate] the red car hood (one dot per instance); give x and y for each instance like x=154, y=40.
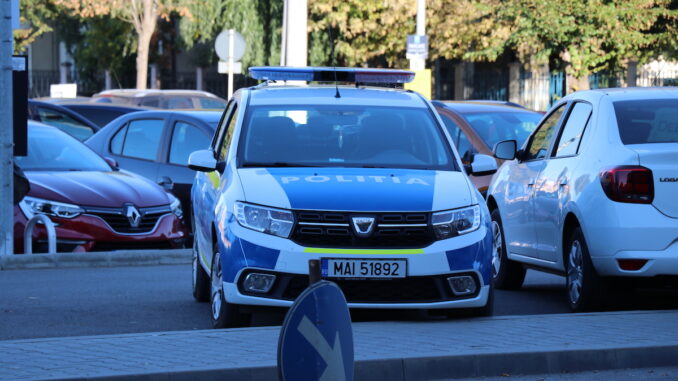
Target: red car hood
x=89, y=188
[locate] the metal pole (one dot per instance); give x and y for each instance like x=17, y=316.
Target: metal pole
x=313, y=271
x=231, y=53
x=296, y=45
x=6, y=130
x=420, y=63
x=283, y=47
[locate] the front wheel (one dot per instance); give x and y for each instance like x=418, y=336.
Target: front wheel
x=224, y=314
x=506, y=274
x=585, y=288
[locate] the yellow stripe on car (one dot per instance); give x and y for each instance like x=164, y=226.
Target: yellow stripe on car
x=363, y=251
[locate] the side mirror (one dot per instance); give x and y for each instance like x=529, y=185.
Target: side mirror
x=202, y=161
x=506, y=150
x=112, y=162
x=483, y=165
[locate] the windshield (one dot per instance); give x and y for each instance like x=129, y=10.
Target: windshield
x=49, y=149
x=647, y=121
x=343, y=136
x=494, y=127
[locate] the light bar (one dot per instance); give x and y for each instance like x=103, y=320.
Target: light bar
x=328, y=74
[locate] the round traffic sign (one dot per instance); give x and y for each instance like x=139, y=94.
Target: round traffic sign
x=221, y=45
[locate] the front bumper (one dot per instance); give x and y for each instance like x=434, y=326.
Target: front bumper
x=91, y=233
x=425, y=286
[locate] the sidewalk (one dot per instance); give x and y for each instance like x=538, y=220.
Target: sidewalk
x=384, y=350
x=96, y=259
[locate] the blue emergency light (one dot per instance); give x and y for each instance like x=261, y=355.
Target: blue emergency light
x=330, y=74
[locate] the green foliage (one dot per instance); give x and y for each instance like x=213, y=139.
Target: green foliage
x=257, y=20
x=366, y=32
x=36, y=15
x=585, y=36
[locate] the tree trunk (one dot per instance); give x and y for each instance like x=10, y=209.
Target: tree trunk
x=145, y=30
x=572, y=82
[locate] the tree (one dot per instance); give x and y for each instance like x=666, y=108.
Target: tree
x=257, y=20
x=581, y=37
x=366, y=32
x=35, y=15
x=142, y=14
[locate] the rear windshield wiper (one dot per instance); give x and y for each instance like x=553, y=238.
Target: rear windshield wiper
x=276, y=164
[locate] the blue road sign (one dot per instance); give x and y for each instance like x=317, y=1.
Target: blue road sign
x=417, y=46
x=316, y=339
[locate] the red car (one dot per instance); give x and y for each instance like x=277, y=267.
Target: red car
x=94, y=205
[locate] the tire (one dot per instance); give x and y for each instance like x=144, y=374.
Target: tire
x=201, y=282
x=224, y=314
x=585, y=288
x=488, y=309
x=506, y=274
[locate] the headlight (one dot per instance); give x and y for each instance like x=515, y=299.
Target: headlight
x=266, y=220
x=456, y=222
x=175, y=207
x=31, y=206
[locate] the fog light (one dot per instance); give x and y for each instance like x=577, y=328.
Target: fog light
x=462, y=285
x=258, y=282
x=631, y=264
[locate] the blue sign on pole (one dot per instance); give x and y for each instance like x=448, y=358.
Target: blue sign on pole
x=316, y=339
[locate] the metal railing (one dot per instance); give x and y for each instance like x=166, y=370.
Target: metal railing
x=51, y=234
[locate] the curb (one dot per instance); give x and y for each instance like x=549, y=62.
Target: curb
x=96, y=259
x=446, y=367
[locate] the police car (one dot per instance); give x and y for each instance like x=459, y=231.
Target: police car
x=364, y=179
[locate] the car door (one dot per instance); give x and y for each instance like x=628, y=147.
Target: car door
x=136, y=146
x=185, y=137
x=551, y=188
x=518, y=212
x=207, y=186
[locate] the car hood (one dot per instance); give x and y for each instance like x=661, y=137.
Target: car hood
x=356, y=189
x=90, y=188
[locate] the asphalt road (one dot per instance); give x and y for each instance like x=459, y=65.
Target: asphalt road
x=97, y=301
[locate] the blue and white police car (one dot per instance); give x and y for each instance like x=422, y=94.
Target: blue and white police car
x=365, y=179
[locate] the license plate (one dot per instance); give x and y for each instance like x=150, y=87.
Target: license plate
x=363, y=268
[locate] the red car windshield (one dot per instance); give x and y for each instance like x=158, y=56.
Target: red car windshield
x=50, y=149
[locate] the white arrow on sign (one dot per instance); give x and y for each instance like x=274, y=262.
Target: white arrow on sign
x=332, y=356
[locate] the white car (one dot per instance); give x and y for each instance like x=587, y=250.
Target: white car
x=592, y=193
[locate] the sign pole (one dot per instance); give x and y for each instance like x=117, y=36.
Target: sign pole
x=231, y=53
x=6, y=130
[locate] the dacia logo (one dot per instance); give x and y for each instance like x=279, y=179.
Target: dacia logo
x=363, y=226
x=668, y=180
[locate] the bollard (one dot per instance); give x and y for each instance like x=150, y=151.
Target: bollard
x=314, y=271
x=51, y=234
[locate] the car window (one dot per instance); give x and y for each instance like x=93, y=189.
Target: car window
x=495, y=127
x=459, y=139
x=177, y=103
x=65, y=123
x=99, y=116
x=116, y=142
x=540, y=141
x=212, y=103
x=52, y=150
x=647, y=121
x=140, y=139
x=568, y=144
x=343, y=136
x=150, y=102
x=230, y=127
x=186, y=138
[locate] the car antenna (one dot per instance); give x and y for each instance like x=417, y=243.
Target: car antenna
x=334, y=65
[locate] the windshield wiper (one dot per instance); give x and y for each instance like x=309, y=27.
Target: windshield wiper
x=277, y=164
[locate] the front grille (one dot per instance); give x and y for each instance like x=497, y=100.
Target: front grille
x=116, y=219
x=333, y=229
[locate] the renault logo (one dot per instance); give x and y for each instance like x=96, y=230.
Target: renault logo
x=133, y=215
x=363, y=226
